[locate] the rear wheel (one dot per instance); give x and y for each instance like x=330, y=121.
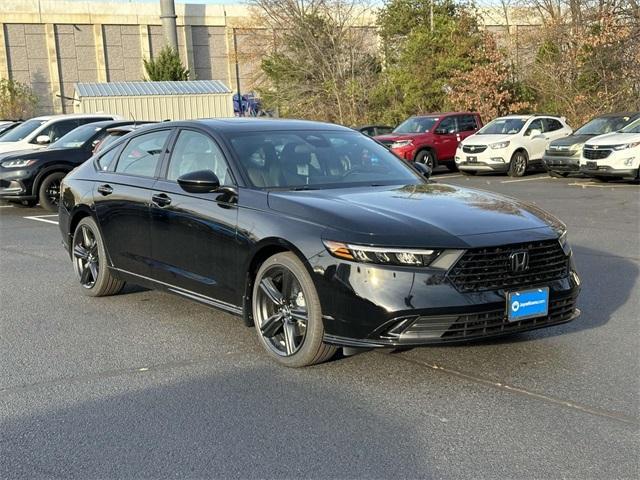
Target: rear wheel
x=49, y=191
x=90, y=261
x=287, y=314
x=518, y=164
x=452, y=166
x=427, y=158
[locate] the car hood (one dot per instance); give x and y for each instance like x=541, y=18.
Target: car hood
x=571, y=140
x=16, y=147
x=432, y=214
x=615, y=139
x=394, y=137
x=476, y=139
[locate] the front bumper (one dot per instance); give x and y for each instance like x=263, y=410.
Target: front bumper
x=372, y=306
x=16, y=184
x=488, y=160
x=561, y=164
x=607, y=171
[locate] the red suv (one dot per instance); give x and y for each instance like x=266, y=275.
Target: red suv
x=432, y=139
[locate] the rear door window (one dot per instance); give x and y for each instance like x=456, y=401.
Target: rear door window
x=141, y=156
x=467, y=123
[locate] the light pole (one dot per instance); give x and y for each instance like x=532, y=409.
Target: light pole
x=235, y=50
x=168, y=18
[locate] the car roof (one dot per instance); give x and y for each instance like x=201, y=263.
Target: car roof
x=110, y=123
x=72, y=115
x=443, y=114
x=242, y=124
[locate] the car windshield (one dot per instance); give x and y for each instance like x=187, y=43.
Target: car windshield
x=602, y=125
x=634, y=127
x=77, y=137
x=22, y=131
x=416, y=125
x=506, y=126
x=318, y=159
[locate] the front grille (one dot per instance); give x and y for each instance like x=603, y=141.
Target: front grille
x=599, y=154
x=475, y=325
x=495, y=322
x=560, y=153
x=474, y=148
x=482, y=269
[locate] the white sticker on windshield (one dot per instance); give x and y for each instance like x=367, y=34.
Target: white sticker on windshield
x=303, y=170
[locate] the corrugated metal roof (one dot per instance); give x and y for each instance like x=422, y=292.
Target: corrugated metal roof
x=130, y=89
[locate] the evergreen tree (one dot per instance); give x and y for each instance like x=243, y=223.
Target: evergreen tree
x=166, y=66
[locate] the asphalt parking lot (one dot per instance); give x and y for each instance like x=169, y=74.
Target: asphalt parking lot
x=149, y=385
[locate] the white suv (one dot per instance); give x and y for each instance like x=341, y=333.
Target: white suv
x=613, y=155
x=39, y=132
x=510, y=144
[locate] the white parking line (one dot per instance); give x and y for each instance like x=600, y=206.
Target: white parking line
x=525, y=179
x=6, y=206
x=42, y=218
x=602, y=185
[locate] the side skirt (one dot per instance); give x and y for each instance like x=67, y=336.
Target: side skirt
x=158, y=285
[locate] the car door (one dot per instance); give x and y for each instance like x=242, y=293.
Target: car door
x=193, y=236
x=536, y=144
x=467, y=126
x=122, y=197
x=446, y=138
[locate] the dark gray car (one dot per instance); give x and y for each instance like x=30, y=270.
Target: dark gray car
x=562, y=157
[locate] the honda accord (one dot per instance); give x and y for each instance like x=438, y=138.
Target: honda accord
x=315, y=234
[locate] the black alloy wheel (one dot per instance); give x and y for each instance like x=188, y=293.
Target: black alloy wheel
x=286, y=312
x=89, y=261
x=427, y=158
x=49, y=192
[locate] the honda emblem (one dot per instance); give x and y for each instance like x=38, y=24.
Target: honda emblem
x=519, y=261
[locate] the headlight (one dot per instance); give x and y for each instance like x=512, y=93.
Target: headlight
x=17, y=163
x=401, y=143
x=382, y=255
x=624, y=146
x=499, y=145
x=562, y=239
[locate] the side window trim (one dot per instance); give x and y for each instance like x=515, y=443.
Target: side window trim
x=170, y=149
x=163, y=154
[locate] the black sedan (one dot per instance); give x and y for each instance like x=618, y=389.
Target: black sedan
x=33, y=176
x=315, y=234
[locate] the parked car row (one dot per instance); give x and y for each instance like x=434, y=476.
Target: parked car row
x=605, y=147
x=38, y=153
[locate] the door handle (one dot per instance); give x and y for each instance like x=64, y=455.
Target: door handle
x=105, y=189
x=161, y=199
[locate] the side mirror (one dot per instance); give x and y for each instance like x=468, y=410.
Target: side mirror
x=535, y=133
x=201, y=181
x=43, y=139
x=423, y=170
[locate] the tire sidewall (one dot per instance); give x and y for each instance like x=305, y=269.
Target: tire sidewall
x=512, y=164
x=43, y=198
x=424, y=156
x=100, y=285
x=315, y=328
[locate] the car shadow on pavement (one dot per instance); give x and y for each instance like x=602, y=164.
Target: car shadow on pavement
x=258, y=422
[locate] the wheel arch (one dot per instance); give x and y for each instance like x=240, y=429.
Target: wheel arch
x=265, y=249
x=58, y=167
x=81, y=211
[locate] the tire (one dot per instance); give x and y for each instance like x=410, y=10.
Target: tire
x=49, y=191
x=558, y=174
x=518, y=164
x=427, y=158
x=452, y=166
x=287, y=314
x=90, y=261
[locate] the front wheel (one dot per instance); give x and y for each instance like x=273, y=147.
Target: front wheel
x=518, y=164
x=90, y=261
x=287, y=314
x=49, y=191
x=427, y=158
